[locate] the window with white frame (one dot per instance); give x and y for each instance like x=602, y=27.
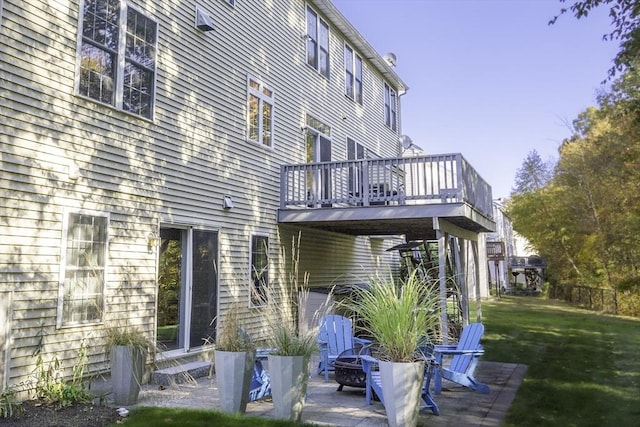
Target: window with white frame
x=390, y=107
x=261, y=101
x=83, y=266
x=259, y=269
x=352, y=74
x=317, y=42
x=117, y=56
x=355, y=151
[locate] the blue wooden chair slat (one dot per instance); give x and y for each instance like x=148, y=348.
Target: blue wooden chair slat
x=335, y=336
x=464, y=359
x=374, y=384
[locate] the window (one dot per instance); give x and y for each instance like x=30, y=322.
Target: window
x=352, y=74
x=355, y=151
x=259, y=269
x=317, y=43
x=390, y=107
x=261, y=100
x=117, y=60
x=82, y=273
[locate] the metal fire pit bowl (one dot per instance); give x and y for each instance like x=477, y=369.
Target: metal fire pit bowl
x=348, y=368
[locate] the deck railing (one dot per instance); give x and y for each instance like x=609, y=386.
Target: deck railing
x=419, y=180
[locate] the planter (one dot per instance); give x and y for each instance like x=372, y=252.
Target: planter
x=289, y=377
x=233, y=376
x=127, y=370
x=402, y=389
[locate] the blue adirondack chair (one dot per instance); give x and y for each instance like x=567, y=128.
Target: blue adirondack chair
x=335, y=336
x=374, y=383
x=464, y=358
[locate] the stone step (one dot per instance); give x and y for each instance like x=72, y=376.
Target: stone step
x=184, y=372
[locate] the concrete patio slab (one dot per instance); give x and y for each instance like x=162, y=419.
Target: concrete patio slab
x=325, y=405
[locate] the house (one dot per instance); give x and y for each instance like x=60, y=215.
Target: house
x=513, y=265
x=159, y=157
x=500, y=247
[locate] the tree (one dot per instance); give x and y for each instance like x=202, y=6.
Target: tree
x=585, y=218
x=533, y=175
x=625, y=20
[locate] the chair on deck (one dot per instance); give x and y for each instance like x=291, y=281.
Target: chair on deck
x=464, y=358
x=336, y=336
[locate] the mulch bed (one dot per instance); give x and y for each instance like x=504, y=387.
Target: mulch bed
x=39, y=414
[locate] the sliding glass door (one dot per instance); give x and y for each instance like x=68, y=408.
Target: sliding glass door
x=187, y=294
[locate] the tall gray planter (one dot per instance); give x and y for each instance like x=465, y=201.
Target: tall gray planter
x=233, y=376
x=127, y=370
x=402, y=391
x=289, y=377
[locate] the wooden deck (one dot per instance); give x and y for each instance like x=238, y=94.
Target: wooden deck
x=392, y=196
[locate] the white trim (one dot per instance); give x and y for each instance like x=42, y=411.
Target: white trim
x=319, y=21
x=63, y=265
x=386, y=87
x=250, y=267
x=354, y=56
x=186, y=286
x=187, y=265
x=6, y=302
x=262, y=98
x=315, y=130
x=120, y=60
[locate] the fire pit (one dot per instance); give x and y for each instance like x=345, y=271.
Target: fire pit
x=348, y=368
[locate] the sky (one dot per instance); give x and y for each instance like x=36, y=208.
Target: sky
x=489, y=78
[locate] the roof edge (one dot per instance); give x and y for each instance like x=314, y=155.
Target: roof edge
x=354, y=37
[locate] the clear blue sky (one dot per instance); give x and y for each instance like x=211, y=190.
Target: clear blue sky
x=488, y=78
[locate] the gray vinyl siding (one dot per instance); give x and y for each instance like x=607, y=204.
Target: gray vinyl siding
x=332, y=259
x=174, y=169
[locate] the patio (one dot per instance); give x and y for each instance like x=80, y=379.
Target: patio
x=326, y=406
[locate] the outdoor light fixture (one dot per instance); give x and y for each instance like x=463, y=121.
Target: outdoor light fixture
x=73, y=171
x=227, y=203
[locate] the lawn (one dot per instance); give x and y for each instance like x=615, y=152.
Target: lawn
x=584, y=368
x=156, y=417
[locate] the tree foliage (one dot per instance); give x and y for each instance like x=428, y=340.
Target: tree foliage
x=586, y=218
x=625, y=24
x=533, y=175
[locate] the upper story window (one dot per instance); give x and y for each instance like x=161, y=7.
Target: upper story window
x=259, y=269
x=83, y=266
x=117, y=56
x=317, y=42
x=390, y=107
x=352, y=74
x=261, y=101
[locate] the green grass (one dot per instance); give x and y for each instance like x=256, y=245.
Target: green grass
x=167, y=333
x=583, y=367
x=148, y=416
